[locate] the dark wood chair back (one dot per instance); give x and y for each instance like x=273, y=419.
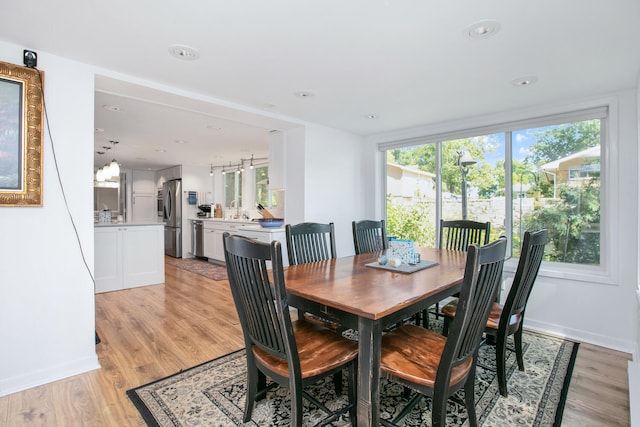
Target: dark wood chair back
x=369, y=236
x=482, y=277
x=310, y=242
x=531, y=255
x=262, y=308
x=457, y=235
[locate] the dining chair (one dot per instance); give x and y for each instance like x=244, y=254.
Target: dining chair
x=369, y=236
x=310, y=242
x=437, y=366
x=506, y=320
x=293, y=354
x=457, y=235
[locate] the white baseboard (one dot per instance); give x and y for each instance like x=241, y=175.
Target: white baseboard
x=582, y=336
x=51, y=374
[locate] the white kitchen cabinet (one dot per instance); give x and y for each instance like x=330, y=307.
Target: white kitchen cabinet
x=143, y=197
x=214, y=229
x=167, y=174
x=128, y=256
x=144, y=207
x=143, y=182
x=108, y=259
x=212, y=243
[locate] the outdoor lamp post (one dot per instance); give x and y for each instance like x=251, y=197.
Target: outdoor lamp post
x=521, y=194
x=464, y=162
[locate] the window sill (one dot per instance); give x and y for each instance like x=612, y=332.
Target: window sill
x=578, y=273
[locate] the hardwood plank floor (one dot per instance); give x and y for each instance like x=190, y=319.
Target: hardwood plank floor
x=154, y=331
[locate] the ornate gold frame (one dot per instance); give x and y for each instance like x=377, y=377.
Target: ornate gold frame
x=27, y=122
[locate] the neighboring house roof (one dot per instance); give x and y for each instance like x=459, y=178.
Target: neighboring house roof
x=411, y=169
x=589, y=153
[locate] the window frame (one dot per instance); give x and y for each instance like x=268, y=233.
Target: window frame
x=237, y=188
x=606, y=110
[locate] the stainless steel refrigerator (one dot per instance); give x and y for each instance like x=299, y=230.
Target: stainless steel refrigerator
x=172, y=216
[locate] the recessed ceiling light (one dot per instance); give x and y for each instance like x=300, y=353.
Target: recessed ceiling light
x=112, y=108
x=524, y=81
x=482, y=29
x=304, y=94
x=184, y=52
x=371, y=116
x=99, y=130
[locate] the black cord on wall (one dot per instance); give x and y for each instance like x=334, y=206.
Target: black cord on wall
x=64, y=196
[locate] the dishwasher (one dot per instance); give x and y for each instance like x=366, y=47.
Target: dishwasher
x=197, y=235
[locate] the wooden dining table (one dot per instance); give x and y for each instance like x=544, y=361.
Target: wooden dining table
x=368, y=299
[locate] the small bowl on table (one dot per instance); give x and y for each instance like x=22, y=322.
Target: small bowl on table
x=271, y=222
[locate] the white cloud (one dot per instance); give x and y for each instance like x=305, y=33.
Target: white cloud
x=520, y=137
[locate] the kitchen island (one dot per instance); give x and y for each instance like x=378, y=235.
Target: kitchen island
x=128, y=255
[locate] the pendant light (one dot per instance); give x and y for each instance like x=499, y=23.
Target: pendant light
x=100, y=172
x=114, y=167
x=106, y=169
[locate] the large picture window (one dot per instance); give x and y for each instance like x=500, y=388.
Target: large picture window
x=233, y=189
x=262, y=185
x=543, y=173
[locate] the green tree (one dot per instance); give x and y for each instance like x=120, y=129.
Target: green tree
x=482, y=175
x=572, y=222
x=561, y=141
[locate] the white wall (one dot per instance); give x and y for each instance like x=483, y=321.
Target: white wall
x=324, y=180
x=47, y=317
x=634, y=365
x=585, y=310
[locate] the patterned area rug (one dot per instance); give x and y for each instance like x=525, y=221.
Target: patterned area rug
x=214, y=393
x=199, y=266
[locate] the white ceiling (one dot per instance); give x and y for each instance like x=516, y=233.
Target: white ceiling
x=407, y=61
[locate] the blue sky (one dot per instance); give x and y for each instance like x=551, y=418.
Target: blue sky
x=522, y=141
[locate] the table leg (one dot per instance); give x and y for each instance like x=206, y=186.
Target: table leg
x=369, y=341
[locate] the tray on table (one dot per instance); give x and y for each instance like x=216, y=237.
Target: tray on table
x=404, y=268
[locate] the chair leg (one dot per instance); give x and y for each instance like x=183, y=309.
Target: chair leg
x=352, y=392
x=501, y=354
x=469, y=395
x=253, y=378
x=296, y=403
x=445, y=326
x=337, y=382
x=518, y=343
x=439, y=410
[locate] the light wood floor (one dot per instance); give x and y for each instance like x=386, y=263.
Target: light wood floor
x=154, y=331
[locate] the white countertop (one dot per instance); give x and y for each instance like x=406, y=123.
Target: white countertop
x=126, y=224
x=239, y=224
